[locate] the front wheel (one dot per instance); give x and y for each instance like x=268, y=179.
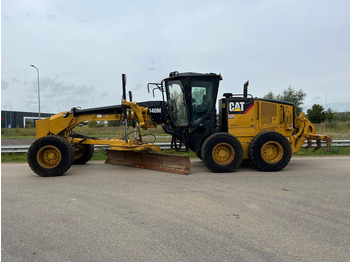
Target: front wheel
x=83, y=153
x=50, y=156
x=222, y=152
x=270, y=151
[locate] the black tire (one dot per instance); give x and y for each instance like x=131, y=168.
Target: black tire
x=83, y=153
x=270, y=151
x=50, y=156
x=199, y=155
x=222, y=152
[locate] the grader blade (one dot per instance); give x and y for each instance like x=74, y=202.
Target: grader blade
x=166, y=163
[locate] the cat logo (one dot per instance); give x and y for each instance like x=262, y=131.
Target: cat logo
x=236, y=106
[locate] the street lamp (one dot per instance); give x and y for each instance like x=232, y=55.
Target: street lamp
x=38, y=88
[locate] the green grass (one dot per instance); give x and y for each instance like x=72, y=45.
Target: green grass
x=337, y=129
x=13, y=157
x=19, y=133
x=100, y=154
x=335, y=151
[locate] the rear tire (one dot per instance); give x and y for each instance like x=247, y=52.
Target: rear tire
x=199, y=155
x=83, y=153
x=270, y=151
x=50, y=156
x=222, y=152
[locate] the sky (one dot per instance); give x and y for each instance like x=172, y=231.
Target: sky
x=82, y=47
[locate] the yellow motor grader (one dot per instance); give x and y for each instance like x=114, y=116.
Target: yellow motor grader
x=265, y=131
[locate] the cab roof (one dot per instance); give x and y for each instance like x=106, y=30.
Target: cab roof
x=176, y=74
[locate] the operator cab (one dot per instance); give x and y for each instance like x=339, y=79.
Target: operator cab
x=191, y=99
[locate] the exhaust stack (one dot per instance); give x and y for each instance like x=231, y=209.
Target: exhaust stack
x=245, y=89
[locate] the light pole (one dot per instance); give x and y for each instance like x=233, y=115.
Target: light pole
x=38, y=88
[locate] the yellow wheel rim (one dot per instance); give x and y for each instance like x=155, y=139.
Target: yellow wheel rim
x=78, y=151
x=271, y=152
x=223, y=153
x=49, y=156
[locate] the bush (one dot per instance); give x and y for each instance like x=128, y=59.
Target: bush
x=113, y=123
x=92, y=124
x=332, y=124
x=316, y=114
x=343, y=116
x=330, y=115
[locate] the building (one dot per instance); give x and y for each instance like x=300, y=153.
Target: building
x=12, y=119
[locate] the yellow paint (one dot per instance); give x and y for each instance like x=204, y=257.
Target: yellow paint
x=63, y=123
x=268, y=116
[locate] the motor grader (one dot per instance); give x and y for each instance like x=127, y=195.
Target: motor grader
x=265, y=131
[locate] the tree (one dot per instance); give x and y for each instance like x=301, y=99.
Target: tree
x=291, y=95
x=270, y=95
x=92, y=124
x=316, y=114
x=330, y=114
x=113, y=123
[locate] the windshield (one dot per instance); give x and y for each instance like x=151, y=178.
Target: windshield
x=176, y=102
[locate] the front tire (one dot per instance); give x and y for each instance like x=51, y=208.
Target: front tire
x=270, y=151
x=222, y=152
x=50, y=156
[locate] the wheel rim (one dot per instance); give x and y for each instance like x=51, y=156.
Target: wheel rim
x=49, y=156
x=223, y=153
x=78, y=151
x=272, y=152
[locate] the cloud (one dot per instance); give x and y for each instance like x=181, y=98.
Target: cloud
x=271, y=43
x=56, y=93
x=40, y=16
x=4, y=84
x=51, y=17
x=103, y=95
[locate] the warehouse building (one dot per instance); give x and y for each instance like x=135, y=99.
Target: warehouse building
x=13, y=119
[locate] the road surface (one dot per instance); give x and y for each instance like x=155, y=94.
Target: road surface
x=99, y=212
x=17, y=142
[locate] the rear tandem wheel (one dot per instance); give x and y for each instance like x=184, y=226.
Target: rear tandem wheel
x=270, y=151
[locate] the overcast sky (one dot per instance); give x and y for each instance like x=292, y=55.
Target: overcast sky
x=82, y=47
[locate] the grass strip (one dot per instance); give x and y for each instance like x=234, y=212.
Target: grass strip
x=100, y=154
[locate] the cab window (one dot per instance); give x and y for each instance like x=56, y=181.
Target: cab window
x=176, y=102
x=201, y=100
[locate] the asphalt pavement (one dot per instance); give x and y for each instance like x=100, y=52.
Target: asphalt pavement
x=17, y=142
x=99, y=212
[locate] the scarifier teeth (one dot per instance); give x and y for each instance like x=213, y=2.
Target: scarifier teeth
x=328, y=145
x=318, y=145
x=309, y=143
x=318, y=139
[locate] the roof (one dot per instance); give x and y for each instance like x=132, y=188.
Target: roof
x=176, y=74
